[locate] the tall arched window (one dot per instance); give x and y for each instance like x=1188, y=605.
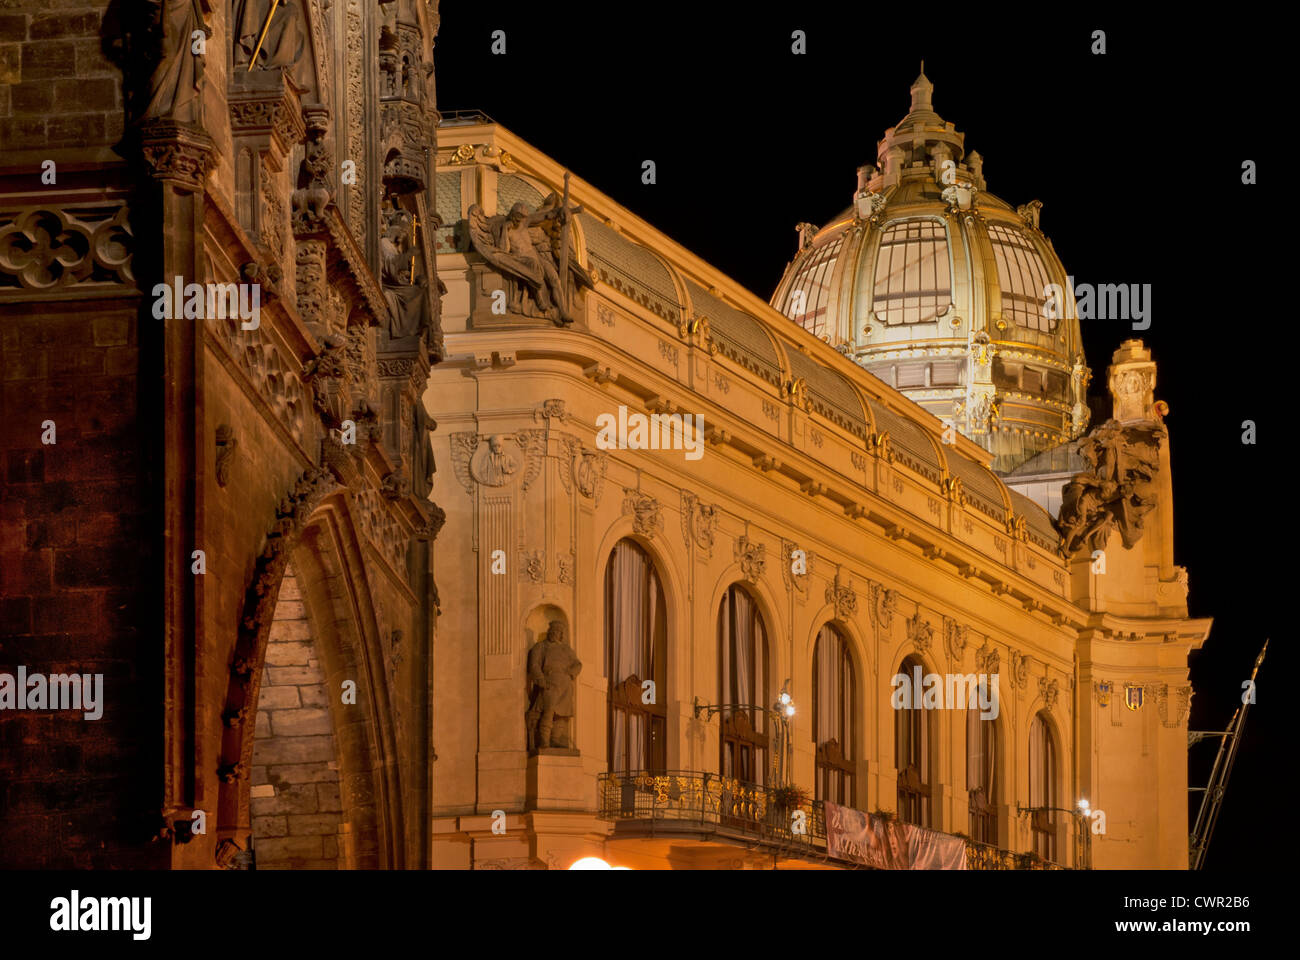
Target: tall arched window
x=981, y=774
x=1042, y=787
x=636, y=648
x=912, y=751
x=742, y=664
x=913, y=282
x=1022, y=278
x=834, y=710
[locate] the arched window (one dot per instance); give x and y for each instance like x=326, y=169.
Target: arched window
x=913, y=281
x=636, y=647
x=809, y=294
x=1042, y=787
x=981, y=774
x=912, y=751
x=742, y=663
x=1022, y=278
x=834, y=710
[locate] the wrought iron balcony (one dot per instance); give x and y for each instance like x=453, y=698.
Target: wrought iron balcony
x=690, y=801
x=706, y=804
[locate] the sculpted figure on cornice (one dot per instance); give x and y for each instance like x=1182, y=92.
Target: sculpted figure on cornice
x=286, y=33
x=1117, y=491
x=528, y=249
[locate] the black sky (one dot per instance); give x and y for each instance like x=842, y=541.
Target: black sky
x=1136, y=156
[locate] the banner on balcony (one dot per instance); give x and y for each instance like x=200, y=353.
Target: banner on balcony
x=888, y=844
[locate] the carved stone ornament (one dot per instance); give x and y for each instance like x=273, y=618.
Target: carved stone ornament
x=176, y=152
x=920, y=632
x=1048, y=690
x=48, y=249
x=1118, y=490
x=842, y=597
x=644, y=510
x=954, y=638
x=493, y=465
x=883, y=604
x=987, y=659
x=751, y=557
x=797, y=581
x=1175, y=714
x=532, y=566
x=589, y=474
x=1019, y=669
x=699, y=523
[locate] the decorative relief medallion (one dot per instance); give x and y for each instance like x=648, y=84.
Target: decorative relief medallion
x=493, y=465
x=795, y=571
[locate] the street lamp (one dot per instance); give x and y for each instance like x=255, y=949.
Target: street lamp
x=783, y=710
x=1083, y=816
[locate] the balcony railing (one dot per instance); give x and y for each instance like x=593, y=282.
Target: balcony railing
x=690, y=801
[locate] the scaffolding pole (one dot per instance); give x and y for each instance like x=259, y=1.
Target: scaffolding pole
x=1212, y=792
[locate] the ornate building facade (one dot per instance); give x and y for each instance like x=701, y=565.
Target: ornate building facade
x=737, y=609
x=686, y=539
x=224, y=512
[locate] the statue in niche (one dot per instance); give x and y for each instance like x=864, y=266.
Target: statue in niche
x=175, y=88
x=285, y=34
x=552, y=669
x=1116, y=492
x=529, y=248
x=406, y=293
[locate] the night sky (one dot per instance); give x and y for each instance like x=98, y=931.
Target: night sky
x=1136, y=156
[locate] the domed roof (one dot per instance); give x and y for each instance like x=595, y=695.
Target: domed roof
x=944, y=291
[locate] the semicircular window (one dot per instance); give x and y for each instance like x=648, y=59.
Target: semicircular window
x=809, y=295
x=1022, y=278
x=913, y=277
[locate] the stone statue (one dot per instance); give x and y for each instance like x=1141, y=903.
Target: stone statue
x=175, y=88
x=286, y=34
x=1117, y=491
x=407, y=296
x=528, y=249
x=552, y=668
x=313, y=188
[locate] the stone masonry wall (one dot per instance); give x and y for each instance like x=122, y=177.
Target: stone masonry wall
x=297, y=813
